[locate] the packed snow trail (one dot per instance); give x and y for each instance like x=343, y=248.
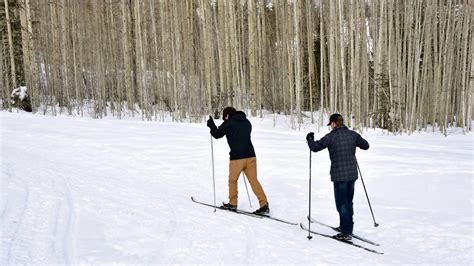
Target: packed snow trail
x=84, y=191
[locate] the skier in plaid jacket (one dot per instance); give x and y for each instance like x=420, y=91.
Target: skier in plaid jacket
x=341, y=143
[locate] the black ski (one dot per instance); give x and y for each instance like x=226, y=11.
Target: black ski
x=340, y=240
x=244, y=212
x=336, y=229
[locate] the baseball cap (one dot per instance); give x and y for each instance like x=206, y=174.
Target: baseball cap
x=334, y=118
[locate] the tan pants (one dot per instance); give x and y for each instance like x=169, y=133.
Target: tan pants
x=249, y=166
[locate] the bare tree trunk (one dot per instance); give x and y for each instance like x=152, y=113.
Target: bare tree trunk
x=323, y=74
x=468, y=83
x=64, y=62
x=470, y=94
x=332, y=57
x=342, y=63
x=354, y=86
x=252, y=54
x=29, y=62
x=156, y=78
x=139, y=60
x=10, y=46
x=77, y=95
x=3, y=81
x=310, y=40
x=289, y=62
x=297, y=61
x=220, y=54
x=125, y=12
x=244, y=82
x=261, y=59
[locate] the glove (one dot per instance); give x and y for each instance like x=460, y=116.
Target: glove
x=310, y=136
x=210, y=122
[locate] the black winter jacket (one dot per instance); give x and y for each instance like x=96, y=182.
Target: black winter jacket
x=341, y=143
x=237, y=129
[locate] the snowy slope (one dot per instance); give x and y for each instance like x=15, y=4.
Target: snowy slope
x=78, y=190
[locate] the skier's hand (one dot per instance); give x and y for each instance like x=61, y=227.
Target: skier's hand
x=310, y=136
x=210, y=122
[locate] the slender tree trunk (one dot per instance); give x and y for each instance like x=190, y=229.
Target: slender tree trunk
x=3, y=81
x=297, y=61
x=467, y=83
x=29, y=62
x=126, y=54
x=342, y=63
x=10, y=46
x=289, y=62
x=74, y=48
x=331, y=58
x=310, y=41
x=64, y=61
x=252, y=53
x=322, y=44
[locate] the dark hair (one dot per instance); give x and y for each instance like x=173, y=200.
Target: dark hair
x=227, y=111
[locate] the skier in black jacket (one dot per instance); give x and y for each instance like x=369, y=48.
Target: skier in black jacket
x=341, y=143
x=237, y=129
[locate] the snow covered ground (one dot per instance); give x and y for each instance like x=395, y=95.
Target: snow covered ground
x=78, y=190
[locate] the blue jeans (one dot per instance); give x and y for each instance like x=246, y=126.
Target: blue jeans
x=344, y=193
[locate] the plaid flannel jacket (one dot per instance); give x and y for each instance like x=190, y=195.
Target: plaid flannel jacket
x=341, y=143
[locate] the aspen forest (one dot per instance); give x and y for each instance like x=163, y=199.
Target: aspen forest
x=399, y=65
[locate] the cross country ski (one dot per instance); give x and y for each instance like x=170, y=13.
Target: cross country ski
x=237, y=211
x=340, y=240
x=338, y=230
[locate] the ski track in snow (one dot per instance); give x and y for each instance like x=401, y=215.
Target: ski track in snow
x=41, y=229
x=83, y=191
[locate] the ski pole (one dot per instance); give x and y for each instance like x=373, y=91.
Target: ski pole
x=246, y=188
x=367, y=195
x=213, y=175
x=309, y=220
